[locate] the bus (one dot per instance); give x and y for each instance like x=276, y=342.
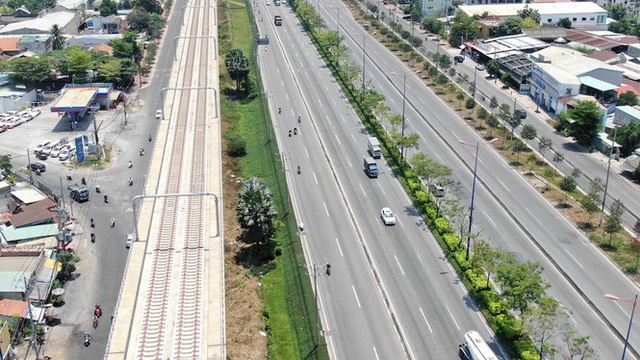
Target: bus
x=475, y=348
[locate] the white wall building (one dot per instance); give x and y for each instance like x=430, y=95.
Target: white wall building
x=560, y=74
x=581, y=14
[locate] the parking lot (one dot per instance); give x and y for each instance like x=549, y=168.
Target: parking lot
x=21, y=141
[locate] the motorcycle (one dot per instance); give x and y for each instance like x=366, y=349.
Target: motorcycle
x=289, y=133
x=87, y=339
x=113, y=222
x=130, y=182
x=93, y=237
x=95, y=321
x=83, y=181
x=299, y=171
x=141, y=151
x=106, y=199
x=93, y=224
x=98, y=311
x=328, y=269
x=279, y=110
x=150, y=138
x=130, y=164
x=98, y=189
x=295, y=131
x=299, y=120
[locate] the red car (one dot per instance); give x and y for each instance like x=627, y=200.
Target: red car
x=3, y=128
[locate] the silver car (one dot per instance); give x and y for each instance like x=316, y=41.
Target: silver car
x=387, y=216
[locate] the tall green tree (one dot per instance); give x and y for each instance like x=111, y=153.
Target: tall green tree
x=110, y=71
x=591, y=202
x=256, y=212
x=529, y=13
x=628, y=137
x=487, y=258
x=521, y=283
x=108, y=7
x=493, y=68
x=528, y=132
x=544, y=145
x=543, y=324
x=617, y=11
x=586, y=123
x=627, y=98
x=57, y=38
x=613, y=223
x=29, y=69
x=237, y=65
x=463, y=28
x=432, y=25
x=429, y=170
x=510, y=26
x=79, y=62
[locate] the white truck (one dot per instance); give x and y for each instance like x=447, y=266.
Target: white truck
x=475, y=348
x=374, y=148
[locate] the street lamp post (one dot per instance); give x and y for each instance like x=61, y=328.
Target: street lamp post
x=633, y=309
x=473, y=193
x=364, y=63
x=606, y=182
x=475, y=73
x=404, y=100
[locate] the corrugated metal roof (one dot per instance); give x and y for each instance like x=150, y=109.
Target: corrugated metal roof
x=11, y=234
x=41, y=24
x=597, y=84
x=568, y=8
x=28, y=196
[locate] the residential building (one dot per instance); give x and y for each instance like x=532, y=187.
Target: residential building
x=559, y=74
x=581, y=14
x=67, y=21
x=38, y=44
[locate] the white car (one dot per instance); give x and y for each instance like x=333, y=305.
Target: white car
x=479, y=67
x=27, y=117
x=159, y=114
x=66, y=154
x=15, y=121
x=47, y=149
x=130, y=239
x=55, y=151
x=35, y=112
x=388, y=218
x=41, y=146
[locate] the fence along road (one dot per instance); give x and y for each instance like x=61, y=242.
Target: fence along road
x=171, y=302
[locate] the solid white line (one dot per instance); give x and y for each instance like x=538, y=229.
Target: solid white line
x=337, y=138
x=339, y=247
x=425, y=320
x=452, y=318
x=356, y=295
x=315, y=178
x=381, y=189
x=400, y=266
x=574, y=259
x=306, y=152
x=488, y=217
x=325, y=208
x=361, y=188
x=533, y=216
x=375, y=352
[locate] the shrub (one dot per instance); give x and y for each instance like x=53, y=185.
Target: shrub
x=443, y=226
x=236, y=146
x=508, y=326
x=476, y=279
x=452, y=241
x=526, y=350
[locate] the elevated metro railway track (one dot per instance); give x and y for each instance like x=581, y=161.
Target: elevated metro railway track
x=172, y=316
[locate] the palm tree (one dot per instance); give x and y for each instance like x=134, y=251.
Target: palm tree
x=255, y=211
x=56, y=36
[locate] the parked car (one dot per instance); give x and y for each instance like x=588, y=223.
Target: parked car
x=55, y=151
x=38, y=166
x=458, y=58
x=66, y=154
x=159, y=114
x=479, y=67
x=42, y=156
x=41, y=146
x=520, y=113
x=47, y=149
x=388, y=218
x=27, y=117
x=35, y=112
x=14, y=121
x=3, y=128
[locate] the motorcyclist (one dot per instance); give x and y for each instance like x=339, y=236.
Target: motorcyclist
x=130, y=181
x=130, y=164
x=141, y=151
x=279, y=110
x=113, y=222
x=328, y=269
x=93, y=224
x=87, y=339
x=150, y=138
x=93, y=237
x=106, y=199
x=299, y=120
x=289, y=133
x=83, y=181
x=298, y=169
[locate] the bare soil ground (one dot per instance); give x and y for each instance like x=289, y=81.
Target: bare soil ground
x=244, y=305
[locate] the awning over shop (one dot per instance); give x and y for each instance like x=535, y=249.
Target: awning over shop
x=597, y=84
x=114, y=95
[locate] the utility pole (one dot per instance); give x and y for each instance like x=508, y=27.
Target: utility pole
x=95, y=133
x=29, y=166
x=124, y=107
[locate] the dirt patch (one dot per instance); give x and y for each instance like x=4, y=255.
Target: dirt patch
x=244, y=305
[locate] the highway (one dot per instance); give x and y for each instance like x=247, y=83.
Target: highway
x=386, y=282
x=509, y=211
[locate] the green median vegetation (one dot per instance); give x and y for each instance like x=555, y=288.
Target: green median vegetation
x=276, y=262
